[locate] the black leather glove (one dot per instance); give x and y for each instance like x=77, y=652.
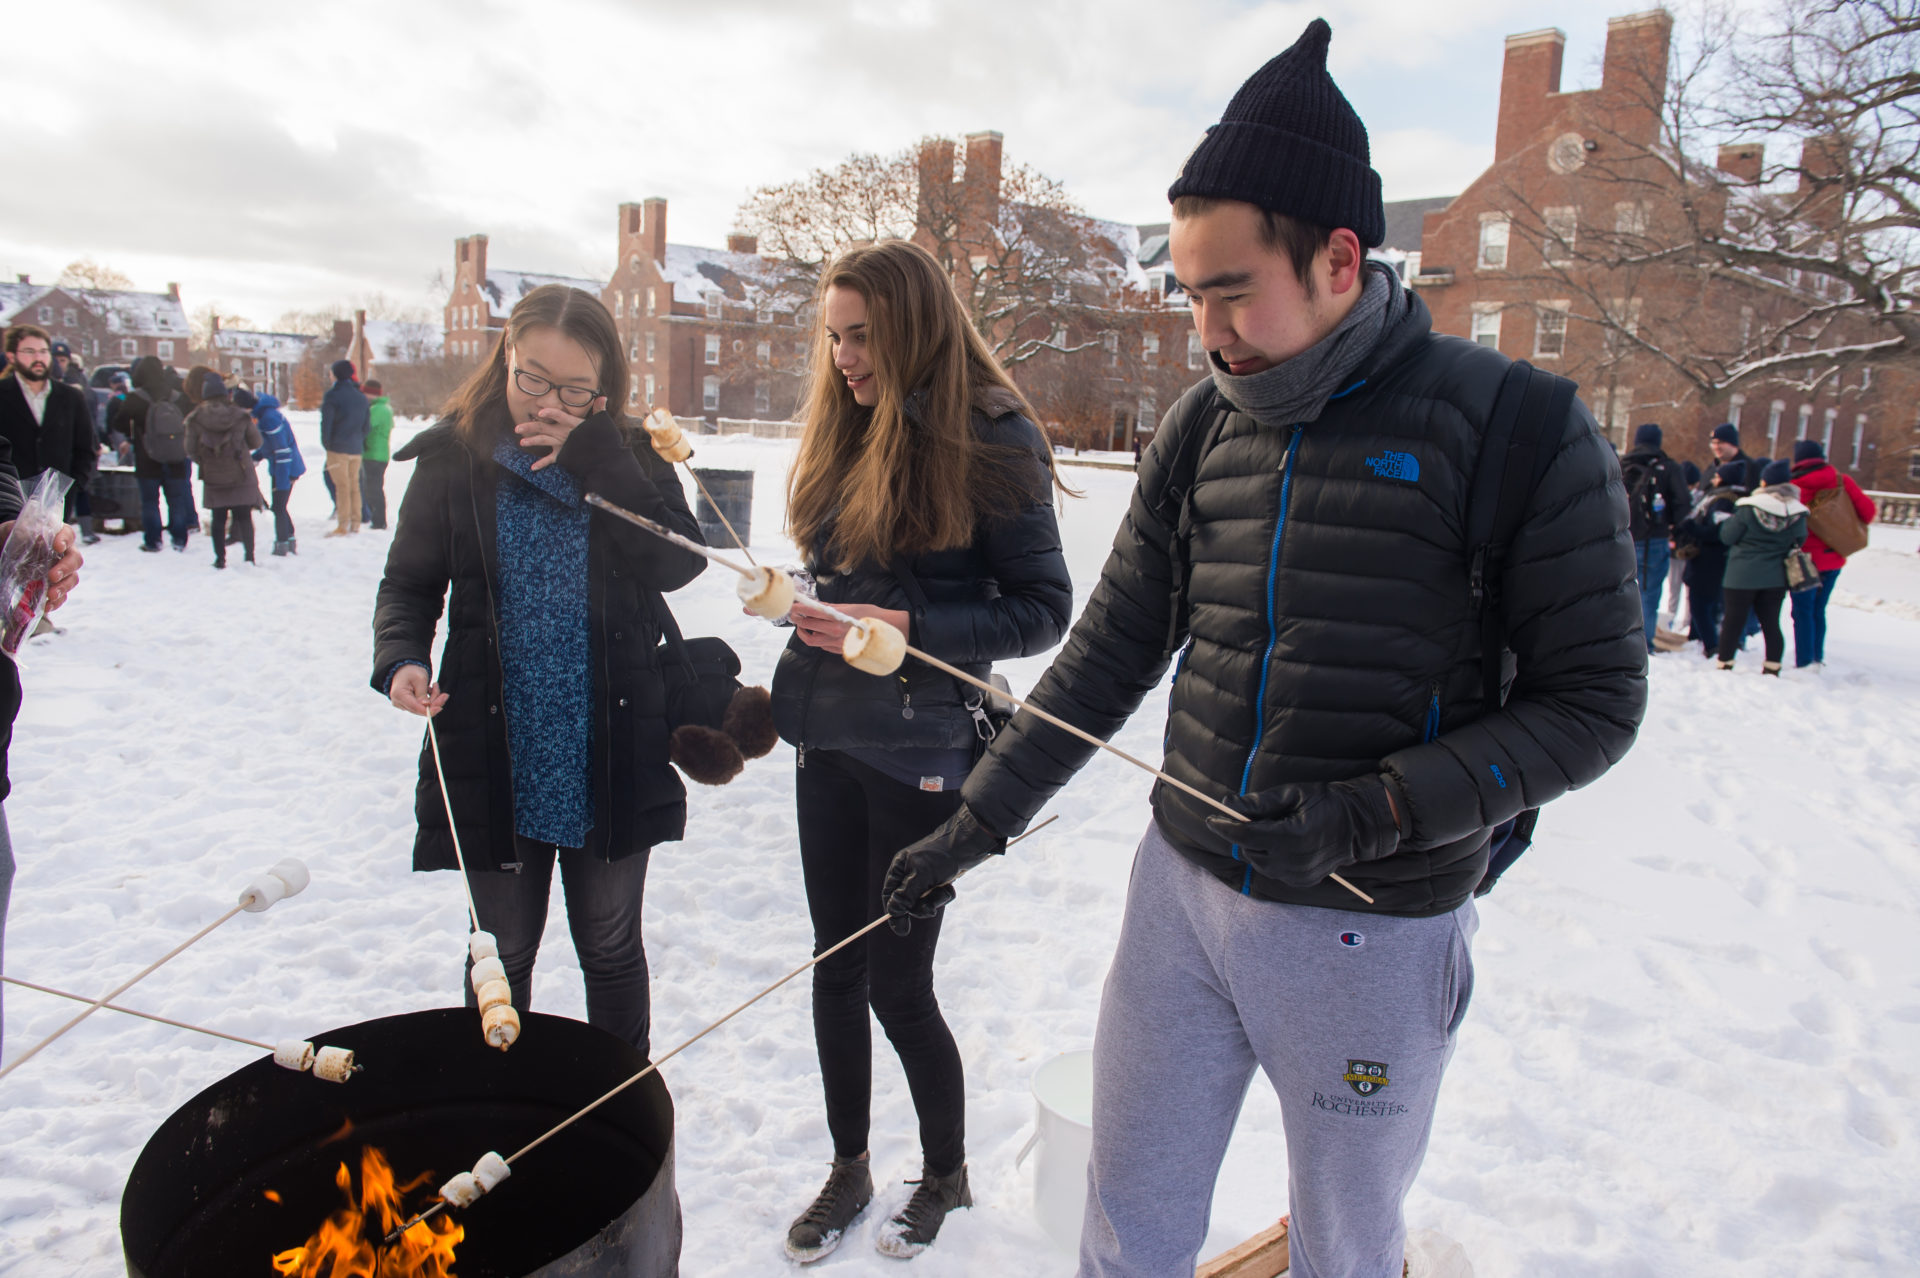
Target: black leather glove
x=1299, y=834
x=920, y=880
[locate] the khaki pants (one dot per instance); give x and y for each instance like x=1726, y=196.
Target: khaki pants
x=344, y=470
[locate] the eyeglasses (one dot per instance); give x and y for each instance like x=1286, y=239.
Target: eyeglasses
x=535, y=385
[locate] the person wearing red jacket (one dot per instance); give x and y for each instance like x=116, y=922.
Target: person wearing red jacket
x=1812, y=473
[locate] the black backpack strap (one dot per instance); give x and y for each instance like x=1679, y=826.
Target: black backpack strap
x=1529, y=419
x=1176, y=505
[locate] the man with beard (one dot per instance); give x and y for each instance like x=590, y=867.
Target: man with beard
x=48, y=423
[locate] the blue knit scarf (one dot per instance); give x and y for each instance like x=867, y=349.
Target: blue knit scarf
x=546, y=648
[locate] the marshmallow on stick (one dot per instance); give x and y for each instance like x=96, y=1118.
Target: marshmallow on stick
x=767, y=592
x=874, y=646
x=501, y=1026
x=667, y=437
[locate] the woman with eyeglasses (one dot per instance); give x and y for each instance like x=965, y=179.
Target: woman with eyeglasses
x=549, y=703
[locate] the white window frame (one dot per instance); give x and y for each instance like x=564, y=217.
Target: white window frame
x=653, y=297
x=1150, y=347
x=1561, y=224
x=619, y=305
x=1826, y=432
x=1496, y=241
x=164, y=348
x=633, y=395
x=762, y=397
x=1913, y=465
x=1775, y=412
x=713, y=348
x=70, y=318
x=1196, y=351
x=763, y=352
x=1806, y=416
x=715, y=299
x=710, y=394
x=1486, y=324
x=763, y=314
x=46, y=315
x=129, y=348
x=1859, y=439
x=649, y=348
x=1630, y=218
x=1543, y=327
x=1734, y=405
x=648, y=380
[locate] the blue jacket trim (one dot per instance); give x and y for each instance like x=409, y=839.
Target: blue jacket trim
x=1273, y=635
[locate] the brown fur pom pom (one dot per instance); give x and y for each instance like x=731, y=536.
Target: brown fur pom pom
x=706, y=756
x=749, y=721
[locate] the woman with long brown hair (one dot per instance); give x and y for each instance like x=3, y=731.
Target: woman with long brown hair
x=550, y=705
x=922, y=495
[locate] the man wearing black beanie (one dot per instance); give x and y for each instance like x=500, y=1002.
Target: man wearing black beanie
x=1297, y=536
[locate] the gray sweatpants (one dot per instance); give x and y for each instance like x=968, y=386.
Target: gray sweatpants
x=1352, y=1017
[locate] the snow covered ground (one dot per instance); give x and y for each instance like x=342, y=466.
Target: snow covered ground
x=1694, y=1047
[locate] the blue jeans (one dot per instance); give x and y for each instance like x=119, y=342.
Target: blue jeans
x=603, y=912
x=1810, y=621
x=6, y=891
x=180, y=511
x=1650, y=566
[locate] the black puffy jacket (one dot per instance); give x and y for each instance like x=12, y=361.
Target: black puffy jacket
x=445, y=537
x=1005, y=595
x=1331, y=631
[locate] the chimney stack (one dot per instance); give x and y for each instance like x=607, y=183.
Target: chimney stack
x=1530, y=75
x=1743, y=161
x=24, y=279
x=653, y=227
x=1634, y=72
x=738, y=243
x=173, y=291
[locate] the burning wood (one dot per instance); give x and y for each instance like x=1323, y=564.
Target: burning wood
x=348, y=1244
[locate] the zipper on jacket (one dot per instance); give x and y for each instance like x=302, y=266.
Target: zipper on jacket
x=1273, y=633
x=1433, y=714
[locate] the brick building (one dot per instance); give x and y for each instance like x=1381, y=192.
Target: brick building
x=1512, y=262
x=482, y=297
x=260, y=361
x=103, y=326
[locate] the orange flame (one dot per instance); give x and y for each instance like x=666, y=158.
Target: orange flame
x=348, y=1244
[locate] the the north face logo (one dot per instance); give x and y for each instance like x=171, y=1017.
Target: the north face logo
x=1392, y=465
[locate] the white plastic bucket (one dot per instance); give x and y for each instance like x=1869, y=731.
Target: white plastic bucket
x=1063, y=1133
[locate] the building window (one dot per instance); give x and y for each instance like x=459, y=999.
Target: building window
x=1150, y=348
x=649, y=382
x=1617, y=414
x=68, y=318
x=1196, y=351
x=763, y=314
x=649, y=348
x=1111, y=340
x=1859, y=437
x=634, y=261
x=1746, y=326
x=1562, y=225
x=1913, y=465
x=1486, y=324
x=633, y=350
x=1806, y=415
x=710, y=394
x=238, y=366
x=762, y=397
x=1550, y=333
x=1630, y=218
x=46, y=315
x=619, y=305
x=633, y=395
x=128, y=348
x=1494, y=229
x=713, y=305
x=1826, y=435
x=1058, y=337
x=763, y=351
x=1774, y=412
x=1149, y=412
x=163, y=349
x=713, y=348
x=653, y=296
x=1866, y=378
x=1734, y=406
x=259, y=368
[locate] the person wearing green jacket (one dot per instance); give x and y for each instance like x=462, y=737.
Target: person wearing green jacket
x=373, y=462
x=1766, y=527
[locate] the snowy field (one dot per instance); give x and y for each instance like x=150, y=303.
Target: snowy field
x=1694, y=1047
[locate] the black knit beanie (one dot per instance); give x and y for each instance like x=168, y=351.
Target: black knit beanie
x=1291, y=143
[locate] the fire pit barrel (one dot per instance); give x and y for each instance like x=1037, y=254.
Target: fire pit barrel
x=251, y=1167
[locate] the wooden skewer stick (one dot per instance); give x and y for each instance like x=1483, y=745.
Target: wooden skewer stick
x=96, y=1004
x=961, y=675
x=453, y=828
x=817, y=959
x=145, y=1016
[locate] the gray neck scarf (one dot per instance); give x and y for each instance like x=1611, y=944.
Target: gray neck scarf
x=1297, y=391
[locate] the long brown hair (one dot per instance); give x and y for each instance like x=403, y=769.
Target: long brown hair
x=576, y=313
x=880, y=480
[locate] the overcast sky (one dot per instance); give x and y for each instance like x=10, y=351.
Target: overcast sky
x=273, y=156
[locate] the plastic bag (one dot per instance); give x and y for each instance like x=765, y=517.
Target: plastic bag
x=29, y=556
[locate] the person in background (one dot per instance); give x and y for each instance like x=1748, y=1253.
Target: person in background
x=1676, y=562
x=119, y=386
x=66, y=368
x=47, y=422
x=1813, y=474
x=1657, y=498
x=343, y=433
x=1706, y=567
x=281, y=452
x=373, y=461
x=221, y=439
x=1724, y=443
x=154, y=384
x=1766, y=526
x=193, y=387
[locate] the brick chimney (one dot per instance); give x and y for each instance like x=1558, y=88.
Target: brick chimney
x=934, y=182
x=1530, y=75
x=24, y=279
x=343, y=334
x=653, y=227
x=1633, y=74
x=738, y=243
x=173, y=291
x=981, y=181
x=216, y=323
x=1743, y=161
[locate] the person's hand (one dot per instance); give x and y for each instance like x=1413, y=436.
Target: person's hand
x=550, y=429
x=412, y=691
x=819, y=630
x=919, y=883
x=1300, y=834
x=65, y=573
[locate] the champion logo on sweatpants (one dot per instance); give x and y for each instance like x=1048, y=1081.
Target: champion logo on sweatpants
x=1353, y=940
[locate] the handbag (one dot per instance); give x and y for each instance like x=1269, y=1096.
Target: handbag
x=990, y=713
x=1832, y=518
x=1802, y=575
x=701, y=675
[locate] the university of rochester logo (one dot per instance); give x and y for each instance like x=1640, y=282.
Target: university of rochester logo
x=1365, y=1077
x=1393, y=465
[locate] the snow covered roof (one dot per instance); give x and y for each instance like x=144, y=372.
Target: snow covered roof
x=13, y=297
x=1406, y=219
x=125, y=312
x=404, y=341
x=743, y=277
x=281, y=348
x=504, y=289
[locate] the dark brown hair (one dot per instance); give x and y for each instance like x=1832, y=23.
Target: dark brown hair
x=21, y=332
x=881, y=480
x=1297, y=241
x=373, y=386
x=579, y=315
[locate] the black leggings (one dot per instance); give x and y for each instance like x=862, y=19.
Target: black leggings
x=282, y=521
x=852, y=820
x=242, y=530
x=1765, y=605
